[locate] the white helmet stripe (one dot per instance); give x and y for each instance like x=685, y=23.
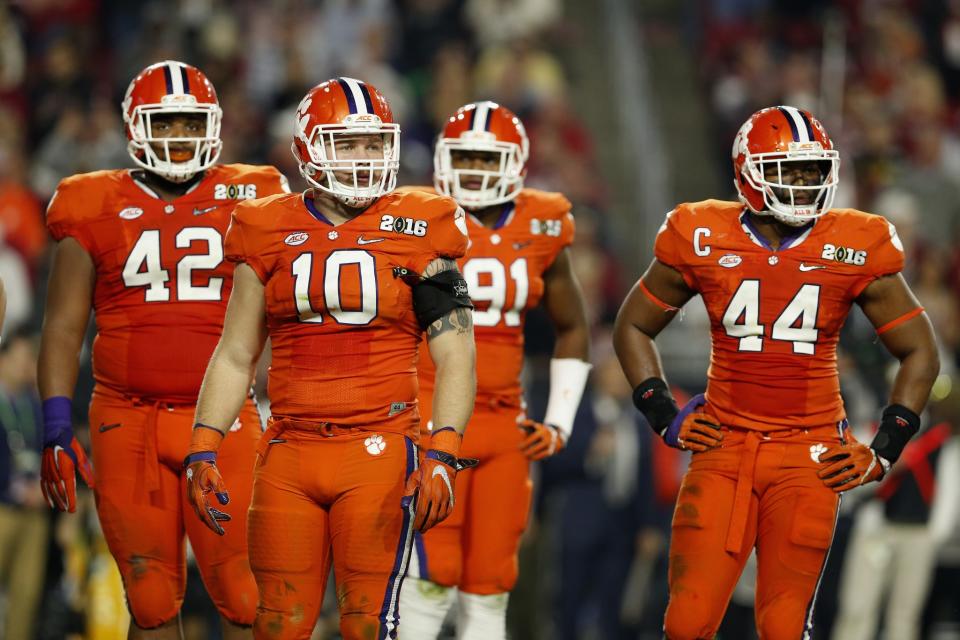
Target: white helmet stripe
x=354, y=86
x=798, y=121
x=480, y=117
x=176, y=79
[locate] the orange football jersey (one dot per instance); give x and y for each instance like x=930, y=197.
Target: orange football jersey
x=504, y=269
x=340, y=313
x=162, y=283
x=776, y=315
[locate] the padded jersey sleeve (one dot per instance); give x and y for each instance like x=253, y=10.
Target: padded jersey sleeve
x=884, y=255
x=75, y=202
x=244, y=242
x=673, y=247
x=446, y=232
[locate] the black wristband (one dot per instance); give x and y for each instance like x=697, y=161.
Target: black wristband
x=654, y=400
x=897, y=425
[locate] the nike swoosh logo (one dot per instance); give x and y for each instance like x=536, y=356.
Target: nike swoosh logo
x=107, y=427
x=811, y=267
x=440, y=471
x=362, y=240
x=519, y=245
x=200, y=212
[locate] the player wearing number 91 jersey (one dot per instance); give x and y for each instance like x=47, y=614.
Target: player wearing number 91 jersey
x=778, y=273
x=517, y=258
x=144, y=249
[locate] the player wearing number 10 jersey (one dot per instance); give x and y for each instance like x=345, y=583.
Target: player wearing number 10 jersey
x=344, y=278
x=145, y=250
x=517, y=257
x=778, y=273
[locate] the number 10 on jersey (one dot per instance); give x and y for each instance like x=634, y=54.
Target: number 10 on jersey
x=796, y=323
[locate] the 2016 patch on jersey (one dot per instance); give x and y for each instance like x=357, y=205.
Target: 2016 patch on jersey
x=406, y=226
x=234, y=191
x=845, y=255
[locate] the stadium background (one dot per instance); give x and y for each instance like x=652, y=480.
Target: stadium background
x=631, y=107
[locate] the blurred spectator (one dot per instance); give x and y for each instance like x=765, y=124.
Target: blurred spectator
x=497, y=21
x=24, y=515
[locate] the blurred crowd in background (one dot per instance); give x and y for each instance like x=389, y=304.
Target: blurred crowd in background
x=593, y=561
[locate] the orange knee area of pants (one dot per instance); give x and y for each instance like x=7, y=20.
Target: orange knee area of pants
x=292, y=625
x=359, y=627
x=233, y=590
x=154, y=592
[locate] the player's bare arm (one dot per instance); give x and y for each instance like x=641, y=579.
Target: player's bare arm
x=563, y=300
x=907, y=334
x=884, y=301
x=650, y=306
x=65, y=318
x=450, y=340
x=69, y=300
x=222, y=394
x=569, y=367
x=3, y=304
x=641, y=319
x=233, y=364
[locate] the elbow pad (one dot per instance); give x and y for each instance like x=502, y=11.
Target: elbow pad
x=438, y=295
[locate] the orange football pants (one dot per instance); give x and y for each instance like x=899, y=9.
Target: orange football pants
x=327, y=494
x=138, y=450
x=476, y=547
x=755, y=490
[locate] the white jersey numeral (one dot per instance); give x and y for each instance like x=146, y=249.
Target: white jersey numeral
x=795, y=324
x=302, y=269
x=494, y=290
x=144, y=269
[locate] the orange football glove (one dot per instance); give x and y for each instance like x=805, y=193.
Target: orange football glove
x=542, y=441
x=433, y=482
x=847, y=466
x=203, y=477
x=63, y=457
x=690, y=431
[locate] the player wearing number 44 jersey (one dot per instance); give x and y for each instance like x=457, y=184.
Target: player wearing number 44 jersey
x=778, y=272
x=517, y=257
x=344, y=279
x=144, y=250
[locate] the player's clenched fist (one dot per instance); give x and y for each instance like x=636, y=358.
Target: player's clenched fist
x=203, y=477
x=849, y=465
x=433, y=482
x=689, y=429
x=542, y=441
x=63, y=457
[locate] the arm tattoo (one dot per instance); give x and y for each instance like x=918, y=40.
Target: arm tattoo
x=460, y=319
x=439, y=265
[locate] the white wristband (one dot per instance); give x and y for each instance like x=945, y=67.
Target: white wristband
x=568, y=377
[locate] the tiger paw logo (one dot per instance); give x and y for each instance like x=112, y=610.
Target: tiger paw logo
x=375, y=445
x=816, y=451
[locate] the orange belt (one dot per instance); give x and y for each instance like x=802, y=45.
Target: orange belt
x=277, y=426
x=741, y=495
x=745, y=477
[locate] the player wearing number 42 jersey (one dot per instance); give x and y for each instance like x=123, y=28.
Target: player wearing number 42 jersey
x=517, y=257
x=778, y=273
x=144, y=250
x=344, y=279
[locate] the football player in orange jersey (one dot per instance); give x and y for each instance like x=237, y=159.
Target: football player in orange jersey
x=518, y=255
x=144, y=249
x=344, y=279
x=778, y=272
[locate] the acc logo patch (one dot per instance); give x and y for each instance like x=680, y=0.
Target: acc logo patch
x=845, y=255
x=131, y=213
x=460, y=219
x=296, y=238
x=550, y=228
x=729, y=260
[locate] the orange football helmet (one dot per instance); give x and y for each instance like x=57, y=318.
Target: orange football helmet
x=779, y=135
x=344, y=108
x=482, y=126
x=166, y=88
